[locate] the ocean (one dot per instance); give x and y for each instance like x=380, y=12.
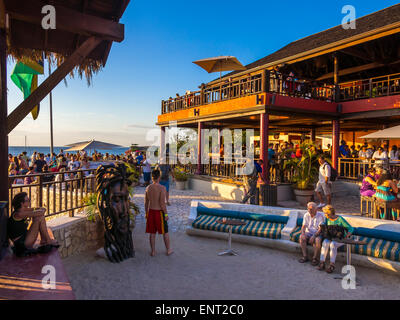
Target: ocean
x=15, y=151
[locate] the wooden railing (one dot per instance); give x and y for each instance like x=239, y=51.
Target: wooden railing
x=283, y=84
x=357, y=169
x=370, y=88
x=233, y=171
x=57, y=195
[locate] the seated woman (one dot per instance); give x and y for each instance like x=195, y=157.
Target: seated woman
x=385, y=191
x=22, y=237
x=331, y=220
x=368, y=184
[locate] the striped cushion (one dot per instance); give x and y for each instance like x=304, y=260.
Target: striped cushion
x=295, y=234
x=263, y=229
x=377, y=248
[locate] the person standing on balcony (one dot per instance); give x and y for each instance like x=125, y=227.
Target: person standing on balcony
x=394, y=154
x=324, y=184
x=380, y=156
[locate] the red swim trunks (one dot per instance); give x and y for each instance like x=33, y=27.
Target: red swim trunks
x=155, y=222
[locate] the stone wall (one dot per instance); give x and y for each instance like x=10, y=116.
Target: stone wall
x=76, y=234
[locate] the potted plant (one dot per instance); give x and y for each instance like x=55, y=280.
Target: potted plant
x=180, y=177
x=305, y=173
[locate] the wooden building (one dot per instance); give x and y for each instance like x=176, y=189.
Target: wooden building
x=338, y=83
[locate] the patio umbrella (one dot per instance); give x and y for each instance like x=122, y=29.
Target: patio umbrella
x=219, y=64
x=389, y=133
x=91, y=145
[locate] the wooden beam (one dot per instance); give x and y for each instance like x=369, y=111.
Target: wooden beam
x=51, y=82
x=3, y=119
x=357, y=53
x=66, y=19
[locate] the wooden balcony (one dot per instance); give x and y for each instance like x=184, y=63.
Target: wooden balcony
x=284, y=85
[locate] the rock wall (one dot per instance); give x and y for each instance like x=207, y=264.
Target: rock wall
x=76, y=234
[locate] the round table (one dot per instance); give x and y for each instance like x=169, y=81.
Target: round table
x=230, y=223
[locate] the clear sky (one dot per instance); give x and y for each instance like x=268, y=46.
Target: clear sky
x=162, y=38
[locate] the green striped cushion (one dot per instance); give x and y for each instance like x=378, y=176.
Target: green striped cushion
x=263, y=229
x=295, y=234
x=377, y=248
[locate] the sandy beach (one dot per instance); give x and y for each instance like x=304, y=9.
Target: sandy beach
x=195, y=271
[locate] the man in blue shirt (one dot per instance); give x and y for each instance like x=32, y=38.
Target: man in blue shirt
x=344, y=150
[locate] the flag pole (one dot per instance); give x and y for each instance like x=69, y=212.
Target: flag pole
x=51, y=116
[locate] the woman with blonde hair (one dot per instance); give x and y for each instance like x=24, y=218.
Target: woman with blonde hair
x=330, y=245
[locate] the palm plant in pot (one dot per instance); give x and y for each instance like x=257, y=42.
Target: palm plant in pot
x=305, y=173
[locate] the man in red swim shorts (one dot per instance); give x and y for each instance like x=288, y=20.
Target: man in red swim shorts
x=156, y=212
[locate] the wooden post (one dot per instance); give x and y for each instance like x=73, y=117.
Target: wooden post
x=40, y=191
x=265, y=81
x=264, y=132
x=335, y=143
x=3, y=118
x=200, y=127
x=162, y=155
x=202, y=94
x=312, y=135
x=336, y=77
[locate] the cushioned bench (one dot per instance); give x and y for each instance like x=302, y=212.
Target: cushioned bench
x=259, y=225
x=380, y=243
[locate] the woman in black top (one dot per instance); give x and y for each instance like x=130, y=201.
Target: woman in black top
x=18, y=230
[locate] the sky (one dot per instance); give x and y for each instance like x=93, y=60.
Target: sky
x=154, y=62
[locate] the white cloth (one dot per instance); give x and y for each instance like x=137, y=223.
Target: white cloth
x=324, y=171
x=365, y=154
x=332, y=246
x=312, y=224
x=381, y=156
x=146, y=166
x=394, y=155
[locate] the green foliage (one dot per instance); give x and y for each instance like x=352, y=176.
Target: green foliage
x=180, y=174
x=135, y=175
x=90, y=203
x=305, y=168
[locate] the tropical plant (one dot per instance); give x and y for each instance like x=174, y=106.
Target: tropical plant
x=90, y=203
x=305, y=168
x=133, y=173
x=180, y=174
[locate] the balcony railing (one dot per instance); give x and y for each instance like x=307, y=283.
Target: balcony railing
x=248, y=85
x=283, y=84
x=357, y=169
x=370, y=88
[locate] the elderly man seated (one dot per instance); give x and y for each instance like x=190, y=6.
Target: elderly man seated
x=311, y=221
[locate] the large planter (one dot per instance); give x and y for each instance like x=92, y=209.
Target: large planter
x=303, y=196
x=180, y=185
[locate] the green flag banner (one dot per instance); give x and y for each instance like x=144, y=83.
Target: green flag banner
x=25, y=77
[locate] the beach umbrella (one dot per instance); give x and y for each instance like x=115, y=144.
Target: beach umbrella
x=389, y=133
x=91, y=145
x=219, y=64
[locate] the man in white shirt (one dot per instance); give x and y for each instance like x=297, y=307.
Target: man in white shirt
x=324, y=184
x=380, y=156
x=74, y=164
x=146, y=165
x=311, y=221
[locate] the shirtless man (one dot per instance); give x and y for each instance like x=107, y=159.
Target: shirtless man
x=156, y=212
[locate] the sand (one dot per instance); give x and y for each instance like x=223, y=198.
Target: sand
x=195, y=271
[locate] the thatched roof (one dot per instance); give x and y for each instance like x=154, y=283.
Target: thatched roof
x=364, y=24
x=26, y=37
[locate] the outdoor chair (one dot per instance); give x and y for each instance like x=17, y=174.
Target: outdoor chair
x=367, y=206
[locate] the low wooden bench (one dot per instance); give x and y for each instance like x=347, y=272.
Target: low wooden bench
x=380, y=204
x=21, y=277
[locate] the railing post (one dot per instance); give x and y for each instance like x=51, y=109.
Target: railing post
x=162, y=107
x=40, y=193
x=265, y=80
x=202, y=95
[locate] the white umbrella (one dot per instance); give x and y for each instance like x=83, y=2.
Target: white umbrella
x=92, y=145
x=389, y=133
